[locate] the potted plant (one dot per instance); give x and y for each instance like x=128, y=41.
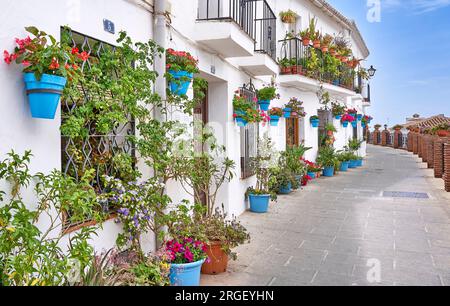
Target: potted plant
x=47, y=65
x=315, y=121
x=242, y=106
x=265, y=95
x=288, y=16
x=346, y=119
x=312, y=169
x=306, y=37
x=327, y=158
x=293, y=107
x=398, y=127
x=181, y=67
x=306, y=179
x=275, y=114
x=344, y=159
x=442, y=130
x=267, y=158
x=326, y=41
x=281, y=179
x=293, y=159
x=377, y=127
x=224, y=235
x=186, y=257
x=285, y=65
x=338, y=110
x=354, y=145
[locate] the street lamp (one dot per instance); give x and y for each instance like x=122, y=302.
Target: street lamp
x=372, y=71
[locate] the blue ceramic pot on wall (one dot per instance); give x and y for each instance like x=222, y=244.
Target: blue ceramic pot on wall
x=44, y=95
x=186, y=274
x=287, y=112
x=180, y=85
x=264, y=105
x=355, y=124
x=274, y=120
x=345, y=124
x=315, y=123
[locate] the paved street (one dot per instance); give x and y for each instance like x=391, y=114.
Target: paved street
x=326, y=233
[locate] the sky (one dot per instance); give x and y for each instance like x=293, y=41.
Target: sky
x=410, y=48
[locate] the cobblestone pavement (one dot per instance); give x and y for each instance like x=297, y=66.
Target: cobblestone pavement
x=328, y=233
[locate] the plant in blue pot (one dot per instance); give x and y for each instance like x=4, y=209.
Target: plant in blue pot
x=275, y=114
x=245, y=111
x=338, y=110
x=328, y=160
x=265, y=96
x=314, y=121
x=181, y=67
x=186, y=257
x=359, y=117
x=267, y=158
x=47, y=65
x=346, y=119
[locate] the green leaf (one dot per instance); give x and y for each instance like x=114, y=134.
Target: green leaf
x=32, y=30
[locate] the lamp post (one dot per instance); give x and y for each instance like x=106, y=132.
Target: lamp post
x=372, y=71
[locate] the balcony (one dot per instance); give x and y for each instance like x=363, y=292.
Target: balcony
x=265, y=33
x=304, y=66
x=226, y=27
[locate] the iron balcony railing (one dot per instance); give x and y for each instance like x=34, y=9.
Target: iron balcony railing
x=254, y=17
x=296, y=58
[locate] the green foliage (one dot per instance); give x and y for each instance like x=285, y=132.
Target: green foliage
x=354, y=144
x=267, y=93
x=329, y=127
x=27, y=255
x=337, y=109
x=327, y=157
x=151, y=272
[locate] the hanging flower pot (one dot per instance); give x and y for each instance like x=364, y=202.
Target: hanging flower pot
x=287, y=112
x=259, y=203
x=443, y=133
x=274, y=120
x=328, y=171
x=182, y=80
x=44, y=95
x=265, y=95
x=355, y=124
x=316, y=43
x=315, y=122
x=345, y=124
x=218, y=259
x=240, y=121
x=324, y=49
x=306, y=41
x=338, y=117
x=359, y=116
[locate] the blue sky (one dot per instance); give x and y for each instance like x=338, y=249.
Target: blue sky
x=410, y=48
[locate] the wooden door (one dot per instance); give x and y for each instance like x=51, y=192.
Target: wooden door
x=292, y=132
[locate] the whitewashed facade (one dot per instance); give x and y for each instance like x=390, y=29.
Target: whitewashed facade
x=227, y=59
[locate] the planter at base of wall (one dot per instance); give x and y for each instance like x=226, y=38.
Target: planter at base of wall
x=312, y=175
x=218, y=259
x=344, y=166
x=264, y=105
x=328, y=171
x=352, y=164
x=315, y=123
x=186, y=274
x=259, y=203
x=274, y=120
x=44, y=95
x=286, y=189
x=359, y=163
x=182, y=82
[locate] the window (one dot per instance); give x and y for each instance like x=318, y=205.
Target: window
x=93, y=150
x=249, y=137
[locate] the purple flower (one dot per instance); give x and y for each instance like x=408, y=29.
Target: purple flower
x=124, y=211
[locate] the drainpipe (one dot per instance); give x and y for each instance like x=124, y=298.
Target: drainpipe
x=159, y=36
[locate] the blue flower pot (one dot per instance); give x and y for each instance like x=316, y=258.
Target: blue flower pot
x=359, y=117
x=328, y=171
x=186, y=274
x=338, y=117
x=298, y=178
x=345, y=124
x=352, y=164
x=336, y=82
x=274, y=120
x=344, y=166
x=44, y=95
x=286, y=189
x=264, y=105
x=355, y=124
x=315, y=123
x=363, y=125
x=241, y=122
x=259, y=203
x=312, y=175
x=182, y=82
x=359, y=163
x=287, y=112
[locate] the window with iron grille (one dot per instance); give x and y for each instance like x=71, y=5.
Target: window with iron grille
x=249, y=137
x=94, y=150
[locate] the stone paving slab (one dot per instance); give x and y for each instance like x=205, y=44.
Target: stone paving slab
x=328, y=232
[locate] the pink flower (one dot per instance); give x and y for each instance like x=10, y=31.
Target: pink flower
x=7, y=57
x=26, y=63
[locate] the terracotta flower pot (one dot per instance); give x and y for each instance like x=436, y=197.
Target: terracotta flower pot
x=306, y=41
x=324, y=49
x=344, y=59
x=285, y=70
x=294, y=69
x=218, y=260
x=333, y=52
x=316, y=44
x=443, y=133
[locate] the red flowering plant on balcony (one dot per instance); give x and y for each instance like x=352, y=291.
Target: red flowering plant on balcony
x=181, y=61
x=42, y=54
x=187, y=250
x=348, y=118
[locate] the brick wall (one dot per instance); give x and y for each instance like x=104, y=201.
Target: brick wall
x=375, y=137
x=384, y=136
x=447, y=166
x=424, y=148
x=430, y=152
x=438, y=157
x=410, y=141
x=419, y=145
x=415, y=144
